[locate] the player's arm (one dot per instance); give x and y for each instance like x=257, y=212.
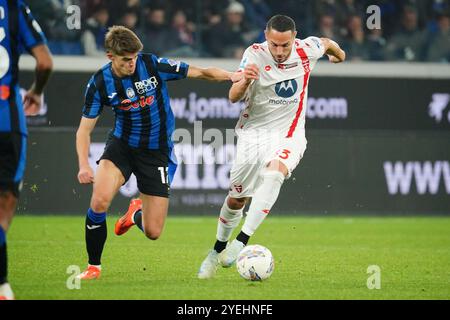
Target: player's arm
x=44, y=66
x=83, y=141
x=212, y=74
x=332, y=49
x=238, y=89
x=33, y=40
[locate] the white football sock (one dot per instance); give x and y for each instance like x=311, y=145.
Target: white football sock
x=228, y=220
x=263, y=201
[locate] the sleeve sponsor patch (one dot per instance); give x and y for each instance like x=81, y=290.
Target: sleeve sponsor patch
x=316, y=41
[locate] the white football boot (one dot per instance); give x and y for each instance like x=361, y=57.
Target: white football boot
x=6, y=292
x=228, y=256
x=208, y=267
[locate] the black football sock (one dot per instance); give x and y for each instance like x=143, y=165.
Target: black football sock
x=96, y=234
x=138, y=219
x=219, y=246
x=242, y=237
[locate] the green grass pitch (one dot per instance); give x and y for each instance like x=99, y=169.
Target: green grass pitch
x=315, y=258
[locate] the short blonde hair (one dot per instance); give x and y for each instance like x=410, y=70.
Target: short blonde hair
x=120, y=40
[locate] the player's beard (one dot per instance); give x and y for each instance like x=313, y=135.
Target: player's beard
x=280, y=59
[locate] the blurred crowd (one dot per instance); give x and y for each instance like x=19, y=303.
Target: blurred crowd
x=411, y=30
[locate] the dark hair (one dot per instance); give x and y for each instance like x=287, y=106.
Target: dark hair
x=281, y=23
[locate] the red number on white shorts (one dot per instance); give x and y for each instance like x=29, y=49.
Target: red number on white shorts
x=284, y=154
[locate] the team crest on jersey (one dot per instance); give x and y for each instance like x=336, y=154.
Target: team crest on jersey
x=130, y=93
x=286, y=89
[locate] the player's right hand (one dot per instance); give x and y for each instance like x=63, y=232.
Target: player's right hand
x=251, y=72
x=85, y=175
x=31, y=103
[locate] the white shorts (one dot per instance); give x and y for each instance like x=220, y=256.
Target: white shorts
x=253, y=154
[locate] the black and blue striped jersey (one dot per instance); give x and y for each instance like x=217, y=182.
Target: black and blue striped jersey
x=19, y=32
x=143, y=116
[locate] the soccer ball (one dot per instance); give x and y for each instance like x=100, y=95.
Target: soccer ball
x=255, y=263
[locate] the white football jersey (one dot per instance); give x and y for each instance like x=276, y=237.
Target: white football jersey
x=277, y=100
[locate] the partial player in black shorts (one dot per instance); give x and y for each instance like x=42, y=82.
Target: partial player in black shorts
x=12, y=160
x=19, y=33
x=149, y=166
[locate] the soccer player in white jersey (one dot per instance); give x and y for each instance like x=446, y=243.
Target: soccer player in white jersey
x=270, y=130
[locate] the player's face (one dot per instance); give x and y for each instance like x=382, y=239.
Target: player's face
x=280, y=44
x=123, y=65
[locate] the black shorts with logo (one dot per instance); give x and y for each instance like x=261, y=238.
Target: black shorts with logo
x=149, y=166
x=12, y=161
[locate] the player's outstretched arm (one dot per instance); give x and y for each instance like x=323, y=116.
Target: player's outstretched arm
x=44, y=66
x=83, y=141
x=238, y=89
x=212, y=74
x=334, y=52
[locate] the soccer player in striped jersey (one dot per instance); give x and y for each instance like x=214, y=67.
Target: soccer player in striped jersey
x=134, y=86
x=270, y=130
x=18, y=32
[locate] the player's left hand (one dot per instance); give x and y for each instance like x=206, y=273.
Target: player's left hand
x=32, y=103
x=236, y=76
